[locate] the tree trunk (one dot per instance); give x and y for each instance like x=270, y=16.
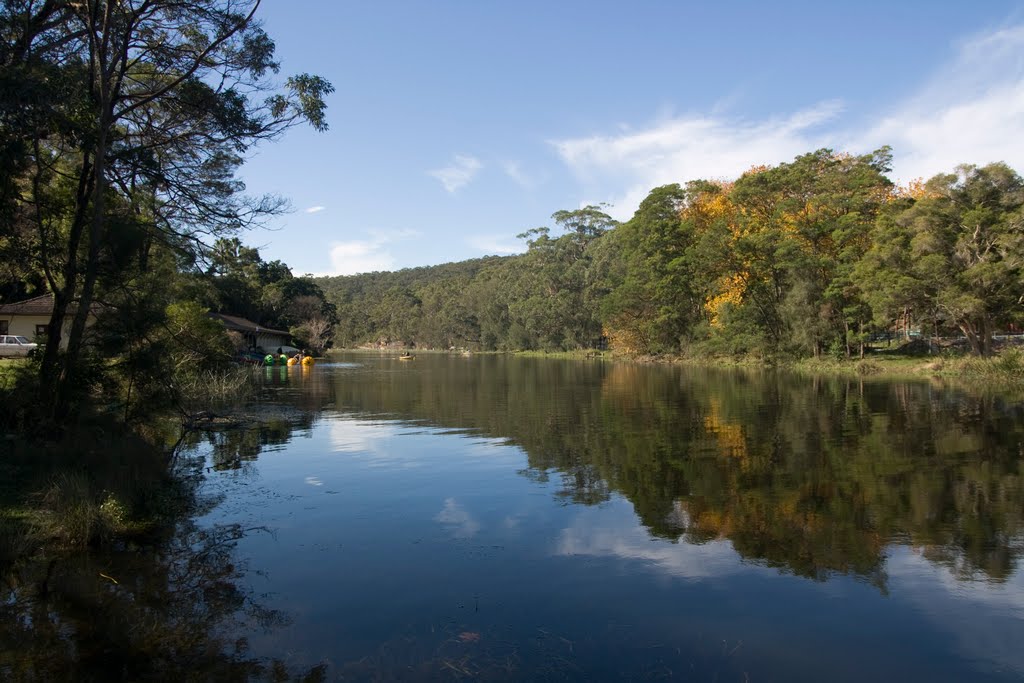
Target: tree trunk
x=972, y=337
x=64, y=290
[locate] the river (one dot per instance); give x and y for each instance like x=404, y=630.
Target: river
x=502, y=518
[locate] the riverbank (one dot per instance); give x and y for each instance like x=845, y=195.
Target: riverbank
x=1004, y=368
x=101, y=481
x=95, y=486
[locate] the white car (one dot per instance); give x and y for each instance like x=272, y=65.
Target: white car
x=14, y=345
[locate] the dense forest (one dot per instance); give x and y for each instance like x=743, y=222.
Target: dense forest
x=121, y=137
x=122, y=128
x=816, y=256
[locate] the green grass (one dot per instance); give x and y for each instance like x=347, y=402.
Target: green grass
x=1002, y=371
x=579, y=354
x=94, y=487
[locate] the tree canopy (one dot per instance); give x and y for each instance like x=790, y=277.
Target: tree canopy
x=810, y=257
x=125, y=123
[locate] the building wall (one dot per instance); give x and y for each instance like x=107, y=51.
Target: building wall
x=270, y=342
x=25, y=326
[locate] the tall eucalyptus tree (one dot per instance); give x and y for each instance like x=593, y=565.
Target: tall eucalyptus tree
x=174, y=93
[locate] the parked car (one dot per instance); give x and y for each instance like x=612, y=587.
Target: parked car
x=14, y=345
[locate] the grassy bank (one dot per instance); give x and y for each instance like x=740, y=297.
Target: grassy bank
x=1005, y=368
x=100, y=481
x=94, y=486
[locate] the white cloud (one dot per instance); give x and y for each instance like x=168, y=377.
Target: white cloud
x=496, y=244
x=459, y=173
x=367, y=255
x=628, y=165
x=315, y=209
x=351, y=258
x=514, y=170
x=457, y=519
x=971, y=110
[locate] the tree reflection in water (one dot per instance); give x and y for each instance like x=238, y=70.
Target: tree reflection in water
x=170, y=611
x=812, y=476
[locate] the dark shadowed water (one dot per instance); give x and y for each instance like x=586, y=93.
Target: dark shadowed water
x=482, y=518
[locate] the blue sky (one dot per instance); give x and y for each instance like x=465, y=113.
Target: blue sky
x=456, y=125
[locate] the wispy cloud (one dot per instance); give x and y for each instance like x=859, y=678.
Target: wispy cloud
x=366, y=255
x=496, y=244
x=970, y=110
x=514, y=170
x=315, y=209
x=626, y=166
x=459, y=173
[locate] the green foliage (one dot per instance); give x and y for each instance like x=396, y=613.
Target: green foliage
x=547, y=298
x=237, y=281
x=804, y=259
x=99, y=486
x=122, y=137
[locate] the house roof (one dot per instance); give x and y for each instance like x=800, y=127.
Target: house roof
x=234, y=322
x=43, y=305
x=40, y=305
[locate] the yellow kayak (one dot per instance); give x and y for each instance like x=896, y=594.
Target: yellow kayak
x=292, y=361
x=307, y=360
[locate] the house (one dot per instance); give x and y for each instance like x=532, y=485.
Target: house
x=31, y=318
x=256, y=336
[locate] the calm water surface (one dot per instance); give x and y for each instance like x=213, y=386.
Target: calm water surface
x=489, y=517
x=523, y=519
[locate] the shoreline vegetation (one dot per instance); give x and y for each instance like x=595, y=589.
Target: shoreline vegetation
x=104, y=484
x=122, y=205
x=1004, y=369
x=817, y=258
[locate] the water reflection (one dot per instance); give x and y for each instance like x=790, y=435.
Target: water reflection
x=810, y=476
x=177, y=610
x=510, y=519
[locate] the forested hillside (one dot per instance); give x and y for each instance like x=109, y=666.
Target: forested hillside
x=804, y=258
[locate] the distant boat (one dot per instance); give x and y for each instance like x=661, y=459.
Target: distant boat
x=406, y=356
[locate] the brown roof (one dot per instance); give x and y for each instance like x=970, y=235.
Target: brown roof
x=234, y=322
x=40, y=305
